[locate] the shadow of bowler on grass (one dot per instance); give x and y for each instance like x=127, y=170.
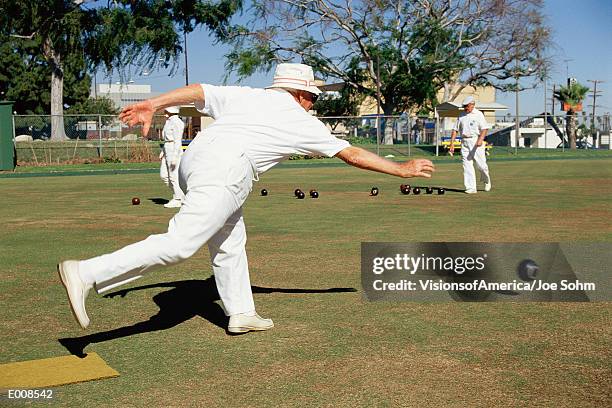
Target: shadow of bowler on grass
x=254, y=130
x=183, y=301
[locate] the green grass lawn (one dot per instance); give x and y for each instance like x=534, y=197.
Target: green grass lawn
x=330, y=347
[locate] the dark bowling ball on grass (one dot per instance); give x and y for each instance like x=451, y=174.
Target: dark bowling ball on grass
x=441, y=191
x=314, y=194
x=429, y=190
x=406, y=190
x=300, y=195
x=264, y=192
x=528, y=270
x=416, y=190
x=297, y=191
x=135, y=201
x=374, y=191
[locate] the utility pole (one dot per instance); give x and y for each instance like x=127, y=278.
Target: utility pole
x=517, y=132
x=545, y=112
x=186, y=66
x=567, y=67
x=595, y=95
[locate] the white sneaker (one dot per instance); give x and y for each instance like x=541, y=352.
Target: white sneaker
x=76, y=289
x=241, y=323
x=174, y=203
x=488, y=186
x=471, y=191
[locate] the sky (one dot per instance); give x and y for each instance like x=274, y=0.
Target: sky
x=581, y=33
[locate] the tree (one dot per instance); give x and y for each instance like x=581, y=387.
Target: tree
x=24, y=77
x=510, y=39
x=110, y=34
x=336, y=104
x=571, y=96
x=98, y=106
x=418, y=46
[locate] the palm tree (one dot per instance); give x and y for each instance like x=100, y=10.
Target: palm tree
x=571, y=97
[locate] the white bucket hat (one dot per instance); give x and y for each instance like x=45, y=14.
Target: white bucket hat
x=295, y=76
x=172, y=109
x=468, y=100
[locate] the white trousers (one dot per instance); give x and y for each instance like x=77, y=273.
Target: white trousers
x=471, y=154
x=216, y=184
x=171, y=177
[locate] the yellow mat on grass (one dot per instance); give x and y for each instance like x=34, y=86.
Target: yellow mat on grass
x=50, y=372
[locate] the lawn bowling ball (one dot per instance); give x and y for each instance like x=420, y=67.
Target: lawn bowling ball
x=416, y=190
x=406, y=190
x=528, y=270
x=297, y=192
x=300, y=195
x=374, y=191
x=314, y=194
x=441, y=191
x=264, y=192
x=135, y=201
x=429, y=190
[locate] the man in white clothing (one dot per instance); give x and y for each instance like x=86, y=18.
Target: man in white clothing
x=473, y=127
x=171, y=155
x=254, y=129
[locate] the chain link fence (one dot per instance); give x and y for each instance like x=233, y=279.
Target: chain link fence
x=88, y=139
x=100, y=138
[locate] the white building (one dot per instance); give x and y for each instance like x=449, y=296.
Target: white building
x=124, y=94
x=533, y=134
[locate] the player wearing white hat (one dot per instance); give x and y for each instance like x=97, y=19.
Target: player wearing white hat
x=171, y=155
x=473, y=127
x=254, y=129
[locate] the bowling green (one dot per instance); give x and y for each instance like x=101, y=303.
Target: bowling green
x=165, y=333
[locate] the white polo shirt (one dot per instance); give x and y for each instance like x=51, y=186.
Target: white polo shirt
x=267, y=124
x=173, y=130
x=470, y=124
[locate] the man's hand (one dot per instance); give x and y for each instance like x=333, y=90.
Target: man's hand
x=417, y=168
x=138, y=113
x=451, y=148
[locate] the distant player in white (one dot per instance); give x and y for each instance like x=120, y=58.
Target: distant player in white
x=171, y=155
x=254, y=130
x=473, y=127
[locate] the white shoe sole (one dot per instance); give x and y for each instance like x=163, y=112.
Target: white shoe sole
x=245, y=329
x=71, y=299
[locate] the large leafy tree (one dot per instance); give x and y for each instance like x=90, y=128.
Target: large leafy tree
x=411, y=48
x=571, y=96
x=25, y=74
x=113, y=34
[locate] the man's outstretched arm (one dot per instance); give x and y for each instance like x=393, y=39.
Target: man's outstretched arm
x=142, y=112
x=358, y=157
